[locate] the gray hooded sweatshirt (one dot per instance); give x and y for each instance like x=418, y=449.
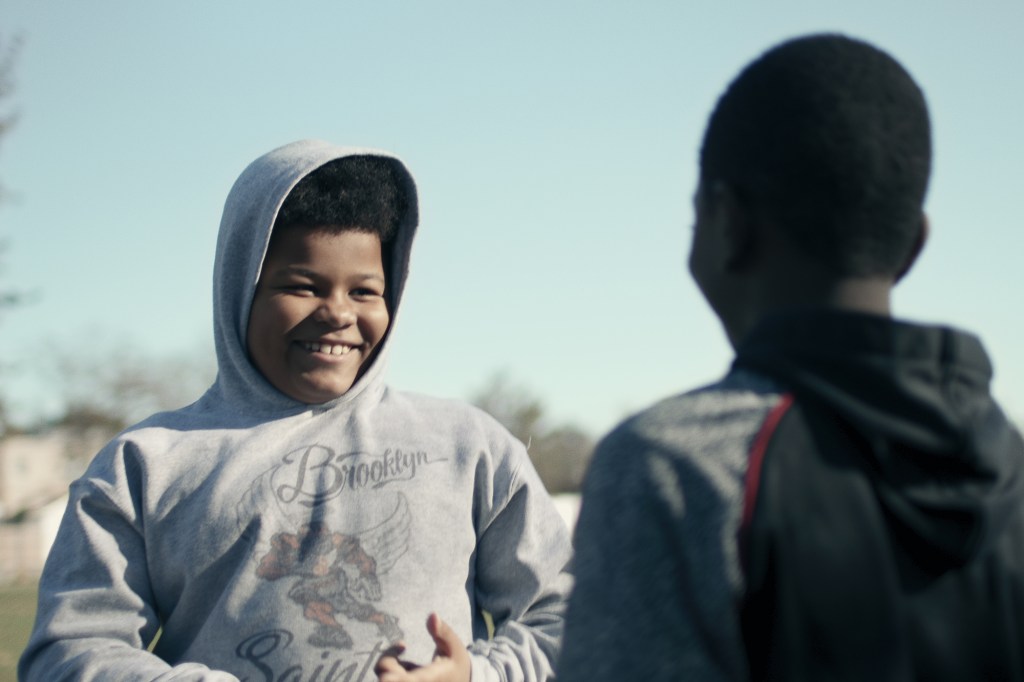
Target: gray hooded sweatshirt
x=267, y=539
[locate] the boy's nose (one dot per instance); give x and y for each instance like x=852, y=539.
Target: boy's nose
x=336, y=313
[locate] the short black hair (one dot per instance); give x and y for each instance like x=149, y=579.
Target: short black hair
x=362, y=193
x=828, y=136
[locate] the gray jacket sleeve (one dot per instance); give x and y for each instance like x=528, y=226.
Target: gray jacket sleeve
x=522, y=578
x=96, y=614
x=655, y=594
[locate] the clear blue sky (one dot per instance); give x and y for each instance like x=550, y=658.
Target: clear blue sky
x=554, y=144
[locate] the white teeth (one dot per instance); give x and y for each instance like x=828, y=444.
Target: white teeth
x=327, y=349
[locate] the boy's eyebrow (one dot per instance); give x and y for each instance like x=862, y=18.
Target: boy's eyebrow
x=313, y=274
x=297, y=270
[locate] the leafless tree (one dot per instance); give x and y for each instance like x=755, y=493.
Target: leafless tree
x=559, y=452
x=108, y=389
x=9, y=48
x=8, y=52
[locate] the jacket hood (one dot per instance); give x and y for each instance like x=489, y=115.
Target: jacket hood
x=249, y=213
x=948, y=464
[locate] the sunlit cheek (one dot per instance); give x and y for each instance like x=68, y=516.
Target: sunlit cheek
x=291, y=317
x=379, y=319
x=291, y=326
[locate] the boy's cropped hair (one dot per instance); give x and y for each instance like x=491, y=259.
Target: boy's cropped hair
x=361, y=193
x=828, y=137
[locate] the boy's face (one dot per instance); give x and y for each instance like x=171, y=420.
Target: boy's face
x=708, y=262
x=318, y=312
x=704, y=249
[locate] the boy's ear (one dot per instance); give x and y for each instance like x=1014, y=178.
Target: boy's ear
x=737, y=231
x=915, y=251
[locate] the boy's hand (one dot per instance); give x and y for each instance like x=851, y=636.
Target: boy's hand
x=450, y=664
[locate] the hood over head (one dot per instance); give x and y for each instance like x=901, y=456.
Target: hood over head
x=250, y=210
x=949, y=466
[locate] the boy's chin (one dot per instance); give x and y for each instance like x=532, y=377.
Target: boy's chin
x=317, y=392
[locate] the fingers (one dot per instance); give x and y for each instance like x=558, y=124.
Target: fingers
x=441, y=670
x=388, y=669
x=446, y=642
x=449, y=651
x=451, y=659
x=395, y=650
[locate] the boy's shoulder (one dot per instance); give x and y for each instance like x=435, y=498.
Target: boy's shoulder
x=709, y=412
x=450, y=413
x=679, y=466
x=702, y=429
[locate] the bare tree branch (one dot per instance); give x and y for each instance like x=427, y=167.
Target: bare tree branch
x=9, y=49
x=560, y=453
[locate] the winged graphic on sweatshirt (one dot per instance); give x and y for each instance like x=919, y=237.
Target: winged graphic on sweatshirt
x=337, y=575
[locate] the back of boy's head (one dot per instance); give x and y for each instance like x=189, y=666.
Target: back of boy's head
x=828, y=138
x=362, y=193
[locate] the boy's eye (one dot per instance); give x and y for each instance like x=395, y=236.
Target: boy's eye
x=299, y=288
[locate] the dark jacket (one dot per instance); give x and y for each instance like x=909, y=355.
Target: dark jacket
x=883, y=537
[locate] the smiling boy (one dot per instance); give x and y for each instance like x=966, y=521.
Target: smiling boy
x=319, y=312
x=303, y=520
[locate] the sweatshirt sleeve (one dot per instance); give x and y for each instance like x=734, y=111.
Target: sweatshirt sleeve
x=651, y=600
x=522, y=580
x=96, y=612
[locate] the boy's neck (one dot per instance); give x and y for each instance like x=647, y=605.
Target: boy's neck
x=859, y=295
x=787, y=294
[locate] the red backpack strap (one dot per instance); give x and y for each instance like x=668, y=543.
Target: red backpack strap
x=754, y=462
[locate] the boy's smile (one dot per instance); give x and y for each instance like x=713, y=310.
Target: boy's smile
x=318, y=313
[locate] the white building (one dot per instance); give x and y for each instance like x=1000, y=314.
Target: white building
x=34, y=475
